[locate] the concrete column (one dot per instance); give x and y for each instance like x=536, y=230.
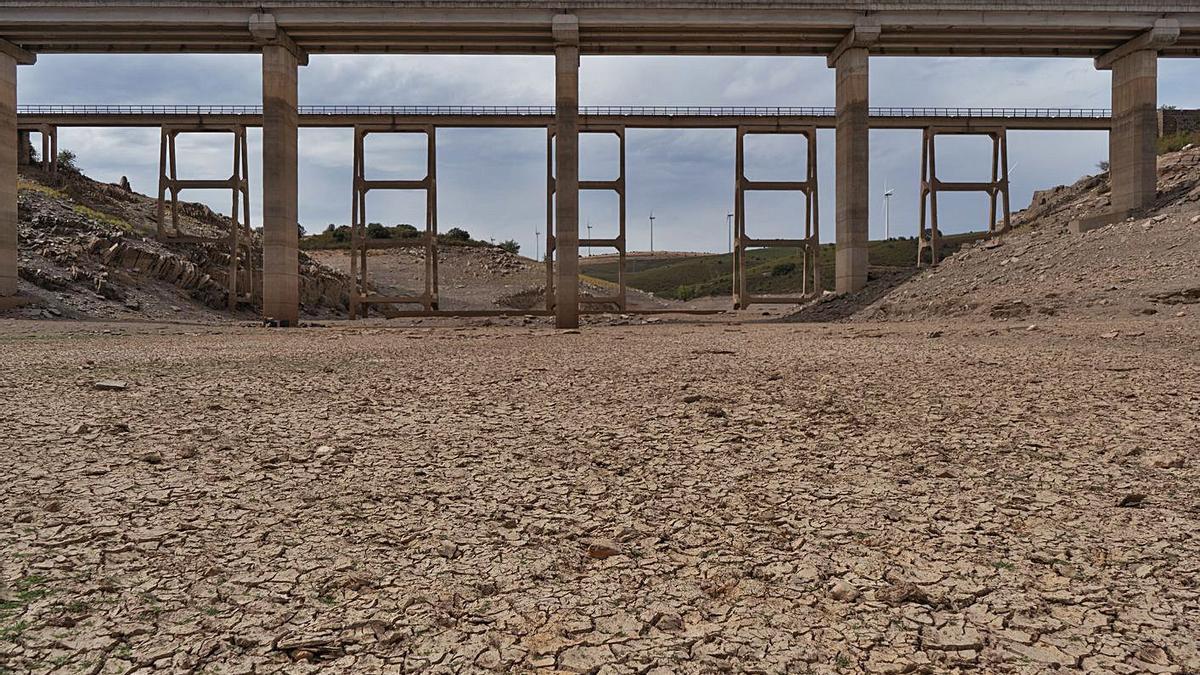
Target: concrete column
x=24, y=148
x=1133, y=141
x=8, y=175
x=281, y=240
x=853, y=164
x=566, y=121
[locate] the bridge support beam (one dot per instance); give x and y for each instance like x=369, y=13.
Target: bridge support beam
x=853, y=168
x=8, y=175
x=1133, y=141
x=566, y=122
x=24, y=148
x=281, y=239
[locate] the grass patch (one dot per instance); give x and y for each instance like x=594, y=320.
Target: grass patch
x=101, y=217
x=30, y=186
x=1176, y=142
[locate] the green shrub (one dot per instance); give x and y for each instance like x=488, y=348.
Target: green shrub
x=511, y=246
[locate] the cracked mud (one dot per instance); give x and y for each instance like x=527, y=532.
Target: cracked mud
x=654, y=499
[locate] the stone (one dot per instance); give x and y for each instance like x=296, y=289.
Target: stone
x=844, y=591
x=1133, y=500
x=601, y=549
x=151, y=457
x=110, y=385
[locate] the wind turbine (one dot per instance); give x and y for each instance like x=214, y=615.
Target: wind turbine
x=651, y=232
x=887, y=212
x=589, y=229
x=537, y=243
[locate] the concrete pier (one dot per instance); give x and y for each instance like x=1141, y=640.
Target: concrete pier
x=1133, y=142
x=566, y=122
x=281, y=240
x=8, y=175
x=24, y=149
x=853, y=169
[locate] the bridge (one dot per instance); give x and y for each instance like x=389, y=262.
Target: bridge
x=643, y=117
x=1125, y=37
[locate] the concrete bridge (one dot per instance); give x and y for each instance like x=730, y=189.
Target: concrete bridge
x=1123, y=36
x=31, y=117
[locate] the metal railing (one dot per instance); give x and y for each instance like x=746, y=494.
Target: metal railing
x=546, y=111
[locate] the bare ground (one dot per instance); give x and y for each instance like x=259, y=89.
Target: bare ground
x=683, y=497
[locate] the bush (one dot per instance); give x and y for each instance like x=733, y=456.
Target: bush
x=378, y=231
x=511, y=246
x=66, y=161
x=406, y=231
x=457, y=234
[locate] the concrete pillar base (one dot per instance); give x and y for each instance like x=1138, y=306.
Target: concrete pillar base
x=281, y=238
x=853, y=170
x=8, y=175
x=1133, y=142
x=566, y=123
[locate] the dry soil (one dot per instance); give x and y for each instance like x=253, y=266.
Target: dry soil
x=666, y=498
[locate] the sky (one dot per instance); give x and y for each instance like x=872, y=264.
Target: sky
x=491, y=182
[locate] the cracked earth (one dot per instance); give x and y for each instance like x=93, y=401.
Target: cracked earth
x=669, y=498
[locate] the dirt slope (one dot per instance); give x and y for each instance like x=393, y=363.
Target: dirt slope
x=87, y=251
x=473, y=278
x=1143, y=266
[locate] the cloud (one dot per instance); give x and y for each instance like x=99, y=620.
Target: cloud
x=493, y=181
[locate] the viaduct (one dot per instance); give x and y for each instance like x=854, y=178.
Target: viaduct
x=1124, y=36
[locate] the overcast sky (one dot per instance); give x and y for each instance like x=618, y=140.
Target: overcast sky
x=492, y=181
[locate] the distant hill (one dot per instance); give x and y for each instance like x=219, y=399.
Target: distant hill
x=771, y=271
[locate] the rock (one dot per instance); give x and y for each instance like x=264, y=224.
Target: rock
x=77, y=429
x=151, y=457
x=448, y=550
x=601, y=549
x=1133, y=500
x=110, y=385
x=1110, y=335
x=844, y=591
x=1165, y=461
x=901, y=592
x=187, y=453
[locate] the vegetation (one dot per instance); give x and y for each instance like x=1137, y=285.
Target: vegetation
x=338, y=236
x=1177, y=142
x=769, y=271
x=511, y=246
x=66, y=161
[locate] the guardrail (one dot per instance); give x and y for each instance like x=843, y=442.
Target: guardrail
x=533, y=111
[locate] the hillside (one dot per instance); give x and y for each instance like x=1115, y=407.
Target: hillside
x=87, y=251
x=1140, y=267
x=771, y=271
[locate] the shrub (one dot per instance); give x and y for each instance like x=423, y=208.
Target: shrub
x=457, y=234
x=66, y=161
x=378, y=231
x=511, y=246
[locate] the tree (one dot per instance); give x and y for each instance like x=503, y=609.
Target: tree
x=406, y=231
x=458, y=234
x=1103, y=166
x=66, y=161
x=378, y=231
x=511, y=246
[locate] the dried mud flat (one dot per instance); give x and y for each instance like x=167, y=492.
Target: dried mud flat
x=670, y=498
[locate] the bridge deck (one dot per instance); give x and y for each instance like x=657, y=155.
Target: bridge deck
x=649, y=117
